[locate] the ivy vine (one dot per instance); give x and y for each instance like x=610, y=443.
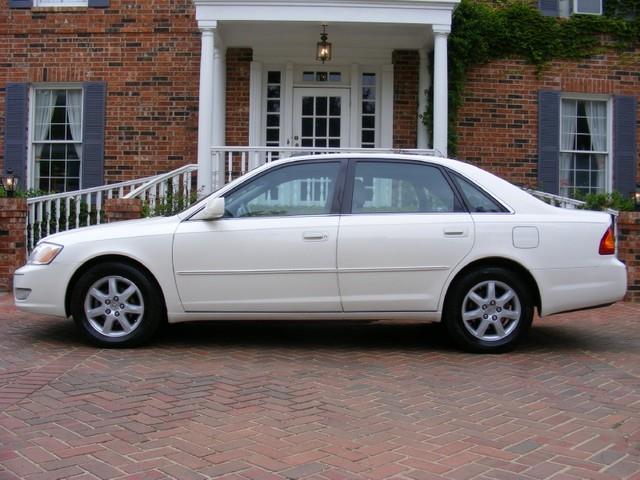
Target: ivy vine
x=482, y=32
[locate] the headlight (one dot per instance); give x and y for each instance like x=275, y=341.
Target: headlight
x=44, y=253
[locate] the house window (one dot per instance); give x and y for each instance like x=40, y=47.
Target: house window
x=57, y=139
x=369, y=100
x=61, y=3
x=584, y=146
x=589, y=7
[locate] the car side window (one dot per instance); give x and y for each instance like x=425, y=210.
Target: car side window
x=478, y=201
x=303, y=189
x=395, y=187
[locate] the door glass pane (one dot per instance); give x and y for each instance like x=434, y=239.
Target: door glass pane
x=307, y=105
x=394, y=187
x=321, y=105
x=334, y=127
x=334, y=106
x=305, y=189
x=321, y=127
x=307, y=127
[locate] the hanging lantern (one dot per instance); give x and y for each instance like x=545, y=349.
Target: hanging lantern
x=323, y=49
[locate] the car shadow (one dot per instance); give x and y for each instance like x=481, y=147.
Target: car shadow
x=373, y=335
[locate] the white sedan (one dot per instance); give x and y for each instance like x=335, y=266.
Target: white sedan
x=348, y=236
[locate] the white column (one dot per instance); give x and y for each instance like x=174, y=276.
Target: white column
x=355, y=117
x=219, y=93
x=219, y=108
x=423, y=88
x=385, y=108
x=255, y=117
x=440, y=89
x=205, y=111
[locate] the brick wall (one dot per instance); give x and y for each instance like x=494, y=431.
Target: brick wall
x=238, y=92
x=13, y=251
x=406, y=65
x=119, y=209
x=498, y=124
x=148, y=53
x=629, y=251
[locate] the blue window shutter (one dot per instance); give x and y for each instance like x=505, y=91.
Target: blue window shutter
x=20, y=3
x=549, y=8
x=93, y=121
x=624, y=144
x=549, y=141
x=99, y=3
x=15, y=133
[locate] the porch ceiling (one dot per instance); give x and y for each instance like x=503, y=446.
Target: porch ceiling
x=298, y=39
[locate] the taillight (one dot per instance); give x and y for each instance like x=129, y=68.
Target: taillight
x=608, y=243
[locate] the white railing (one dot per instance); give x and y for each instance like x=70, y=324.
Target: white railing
x=58, y=212
x=169, y=192
x=229, y=163
x=563, y=202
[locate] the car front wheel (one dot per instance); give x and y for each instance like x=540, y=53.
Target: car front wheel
x=488, y=310
x=116, y=305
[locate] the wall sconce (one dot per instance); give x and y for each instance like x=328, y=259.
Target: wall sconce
x=323, y=49
x=636, y=198
x=10, y=183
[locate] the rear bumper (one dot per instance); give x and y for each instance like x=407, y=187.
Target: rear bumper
x=567, y=289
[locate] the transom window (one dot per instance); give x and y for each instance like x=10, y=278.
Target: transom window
x=305, y=189
x=57, y=139
x=381, y=187
x=584, y=147
x=321, y=76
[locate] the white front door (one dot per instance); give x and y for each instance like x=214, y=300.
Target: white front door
x=321, y=117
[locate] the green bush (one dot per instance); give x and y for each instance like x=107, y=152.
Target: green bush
x=603, y=201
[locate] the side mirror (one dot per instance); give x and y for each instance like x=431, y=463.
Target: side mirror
x=213, y=210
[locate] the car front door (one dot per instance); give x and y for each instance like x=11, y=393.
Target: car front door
x=273, y=251
x=403, y=232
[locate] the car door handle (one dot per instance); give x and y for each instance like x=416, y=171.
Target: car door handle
x=315, y=236
x=455, y=232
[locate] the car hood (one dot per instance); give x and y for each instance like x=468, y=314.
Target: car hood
x=126, y=229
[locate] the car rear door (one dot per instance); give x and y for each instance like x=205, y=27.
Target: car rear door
x=404, y=229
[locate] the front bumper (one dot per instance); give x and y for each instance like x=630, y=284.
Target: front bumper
x=47, y=285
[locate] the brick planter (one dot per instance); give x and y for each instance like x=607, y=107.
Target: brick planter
x=118, y=209
x=13, y=251
x=629, y=251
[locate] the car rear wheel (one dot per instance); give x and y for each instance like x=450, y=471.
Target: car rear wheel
x=116, y=305
x=488, y=310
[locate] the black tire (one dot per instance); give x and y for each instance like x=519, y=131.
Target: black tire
x=495, y=329
x=143, y=310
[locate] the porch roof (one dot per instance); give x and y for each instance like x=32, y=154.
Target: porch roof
x=408, y=12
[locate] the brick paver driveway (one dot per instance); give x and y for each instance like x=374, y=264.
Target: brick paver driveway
x=321, y=401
